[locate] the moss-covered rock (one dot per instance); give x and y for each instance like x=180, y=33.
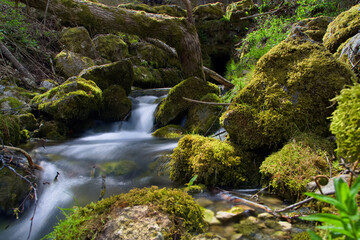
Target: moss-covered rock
x=136, y=6
x=290, y=169
x=75, y=99
x=171, y=76
x=53, y=130
x=9, y=129
x=117, y=73
x=348, y=52
x=13, y=105
x=93, y=220
x=77, y=39
x=169, y=131
x=71, y=64
x=236, y=10
x=345, y=123
x=171, y=10
x=147, y=77
x=209, y=11
x=119, y=168
x=174, y=105
x=290, y=91
x=344, y=26
x=204, y=119
x=314, y=28
x=116, y=105
x=111, y=47
x=28, y=121
x=216, y=163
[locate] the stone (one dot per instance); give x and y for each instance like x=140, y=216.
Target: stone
x=70, y=64
x=286, y=226
x=111, y=47
x=116, y=105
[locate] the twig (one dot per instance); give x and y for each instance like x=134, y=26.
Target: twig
x=294, y=205
x=218, y=77
x=261, y=14
x=28, y=157
x=206, y=103
x=257, y=194
x=46, y=10
x=215, y=120
x=352, y=172
x=327, y=159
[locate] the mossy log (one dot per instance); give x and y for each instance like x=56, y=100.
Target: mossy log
x=99, y=18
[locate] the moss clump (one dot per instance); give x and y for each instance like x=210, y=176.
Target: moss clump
x=9, y=130
x=119, y=168
x=215, y=163
x=290, y=169
x=111, y=47
x=88, y=221
x=171, y=76
x=345, y=123
x=174, y=105
x=117, y=73
x=209, y=11
x=28, y=121
x=74, y=100
x=116, y=105
x=344, y=26
x=169, y=131
x=147, y=77
x=290, y=91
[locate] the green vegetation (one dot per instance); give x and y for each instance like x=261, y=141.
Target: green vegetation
x=86, y=222
x=347, y=221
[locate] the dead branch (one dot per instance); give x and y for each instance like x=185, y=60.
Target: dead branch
x=206, y=103
x=218, y=77
x=28, y=157
x=262, y=14
x=27, y=78
x=188, y=6
x=163, y=46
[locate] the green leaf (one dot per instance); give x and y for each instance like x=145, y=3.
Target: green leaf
x=337, y=230
x=313, y=235
x=355, y=188
x=329, y=200
x=325, y=217
x=342, y=191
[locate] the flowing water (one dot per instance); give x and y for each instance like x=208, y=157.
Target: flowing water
x=79, y=161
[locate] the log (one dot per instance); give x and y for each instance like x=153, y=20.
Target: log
x=206, y=103
x=99, y=18
x=218, y=77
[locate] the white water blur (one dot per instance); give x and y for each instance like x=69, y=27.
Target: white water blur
x=128, y=140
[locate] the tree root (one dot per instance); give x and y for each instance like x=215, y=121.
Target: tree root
x=28, y=157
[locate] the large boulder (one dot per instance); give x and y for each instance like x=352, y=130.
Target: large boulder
x=148, y=77
x=289, y=92
x=78, y=40
x=117, y=73
x=315, y=28
x=215, y=163
x=344, y=26
x=76, y=99
x=174, y=106
x=116, y=104
x=71, y=64
x=148, y=213
x=111, y=47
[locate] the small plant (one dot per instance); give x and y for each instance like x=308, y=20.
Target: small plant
x=347, y=222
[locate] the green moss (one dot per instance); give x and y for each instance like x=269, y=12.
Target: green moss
x=209, y=11
x=290, y=169
x=138, y=7
x=116, y=105
x=344, y=26
x=70, y=63
x=53, y=130
x=169, y=131
x=24, y=135
x=147, y=77
x=119, y=168
x=88, y=221
x=14, y=104
x=174, y=105
x=301, y=236
x=345, y=123
x=171, y=10
x=10, y=130
x=215, y=162
x=28, y=121
x=290, y=91
x=111, y=47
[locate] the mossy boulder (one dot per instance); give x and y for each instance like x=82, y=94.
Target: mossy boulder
x=349, y=53
x=204, y=119
x=289, y=170
x=53, y=130
x=111, y=47
x=209, y=11
x=13, y=105
x=345, y=123
x=178, y=213
x=116, y=104
x=28, y=121
x=290, y=91
x=119, y=168
x=147, y=77
x=174, y=106
x=239, y=9
x=315, y=28
x=169, y=131
x=171, y=76
x=78, y=40
x=117, y=73
x=215, y=162
x=76, y=99
x=10, y=129
x=70, y=64
x=344, y=26
x=171, y=10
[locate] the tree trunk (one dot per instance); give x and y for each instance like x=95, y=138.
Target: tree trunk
x=98, y=18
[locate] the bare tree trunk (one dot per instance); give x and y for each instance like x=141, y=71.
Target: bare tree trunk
x=98, y=18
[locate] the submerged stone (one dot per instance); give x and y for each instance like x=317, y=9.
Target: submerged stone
x=118, y=168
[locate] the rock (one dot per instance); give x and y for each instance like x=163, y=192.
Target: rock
x=76, y=99
x=208, y=236
x=209, y=11
x=9, y=130
x=71, y=64
x=240, y=9
x=77, y=39
x=329, y=188
x=225, y=216
x=174, y=106
x=116, y=105
x=111, y=47
x=314, y=28
x=265, y=216
x=117, y=73
x=344, y=26
x=53, y=130
x=48, y=84
x=13, y=105
x=169, y=131
x=204, y=202
x=286, y=226
x=28, y=121
x=147, y=77
x=349, y=52
x=171, y=10
x=216, y=163
x=290, y=91
x=209, y=217
x=118, y=168
x=171, y=76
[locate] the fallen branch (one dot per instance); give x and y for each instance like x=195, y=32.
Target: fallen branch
x=262, y=14
x=206, y=103
x=163, y=46
x=218, y=77
x=27, y=78
x=28, y=157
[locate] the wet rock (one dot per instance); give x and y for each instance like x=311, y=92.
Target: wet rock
x=169, y=131
x=53, y=130
x=265, y=216
x=344, y=26
x=118, y=168
x=225, y=216
x=209, y=217
x=70, y=64
x=204, y=202
x=117, y=73
x=147, y=77
x=171, y=76
x=111, y=47
x=286, y=226
x=28, y=121
x=116, y=105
